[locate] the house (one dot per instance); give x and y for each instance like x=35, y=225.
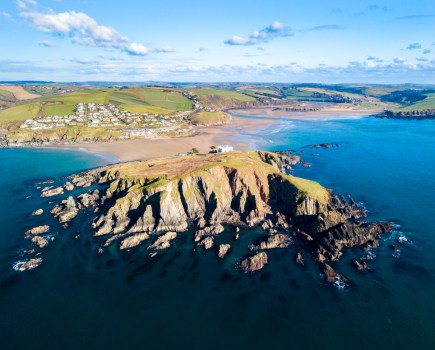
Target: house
x=224, y=149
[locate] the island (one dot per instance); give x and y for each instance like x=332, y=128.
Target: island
x=154, y=201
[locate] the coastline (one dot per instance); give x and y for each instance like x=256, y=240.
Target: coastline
x=239, y=132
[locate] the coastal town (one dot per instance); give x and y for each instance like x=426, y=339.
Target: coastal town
x=109, y=115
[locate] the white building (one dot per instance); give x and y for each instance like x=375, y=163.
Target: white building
x=226, y=148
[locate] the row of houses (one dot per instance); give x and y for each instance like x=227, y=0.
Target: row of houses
x=105, y=115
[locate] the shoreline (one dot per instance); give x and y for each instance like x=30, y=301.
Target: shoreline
x=238, y=132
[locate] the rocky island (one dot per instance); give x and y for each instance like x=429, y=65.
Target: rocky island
x=204, y=195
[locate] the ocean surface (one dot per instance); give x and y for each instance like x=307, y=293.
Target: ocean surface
x=79, y=299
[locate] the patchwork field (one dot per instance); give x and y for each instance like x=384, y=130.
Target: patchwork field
x=19, y=92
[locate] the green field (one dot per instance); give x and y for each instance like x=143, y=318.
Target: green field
x=225, y=93
x=6, y=95
x=209, y=118
x=137, y=100
x=427, y=103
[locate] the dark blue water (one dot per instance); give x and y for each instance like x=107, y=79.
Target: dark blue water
x=81, y=299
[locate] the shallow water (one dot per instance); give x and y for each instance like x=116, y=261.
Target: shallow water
x=183, y=299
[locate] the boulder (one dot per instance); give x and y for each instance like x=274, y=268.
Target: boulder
x=38, y=230
x=254, y=263
x=38, y=212
x=210, y=230
x=223, y=250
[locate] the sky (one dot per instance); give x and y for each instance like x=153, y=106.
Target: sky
x=319, y=41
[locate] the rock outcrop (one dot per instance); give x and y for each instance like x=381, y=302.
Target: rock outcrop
x=38, y=212
x=41, y=242
x=28, y=265
x=66, y=211
x=276, y=241
x=254, y=263
x=223, y=250
x=38, y=230
x=51, y=192
x=135, y=200
x=134, y=240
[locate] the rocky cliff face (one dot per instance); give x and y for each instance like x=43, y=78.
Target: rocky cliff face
x=238, y=188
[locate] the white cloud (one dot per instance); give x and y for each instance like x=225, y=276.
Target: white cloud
x=6, y=15
x=82, y=29
x=165, y=48
x=136, y=49
x=46, y=43
x=275, y=30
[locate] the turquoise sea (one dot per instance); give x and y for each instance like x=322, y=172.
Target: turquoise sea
x=79, y=299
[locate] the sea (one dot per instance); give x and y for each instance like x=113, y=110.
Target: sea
x=187, y=298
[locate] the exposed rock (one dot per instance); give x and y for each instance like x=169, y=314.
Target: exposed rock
x=237, y=229
x=41, y=242
x=28, y=265
x=237, y=236
x=276, y=241
x=207, y=242
x=360, y=265
x=38, y=230
x=68, y=186
x=254, y=263
x=66, y=211
x=332, y=276
x=211, y=230
x=85, y=179
x=52, y=192
x=133, y=241
x=153, y=254
x=87, y=200
x=223, y=250
x=163, y=242
x=299, y=259
x=38, y=212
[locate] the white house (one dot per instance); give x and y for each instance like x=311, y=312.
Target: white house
x=226, y=148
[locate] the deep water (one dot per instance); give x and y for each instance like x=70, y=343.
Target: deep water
x=185, y=299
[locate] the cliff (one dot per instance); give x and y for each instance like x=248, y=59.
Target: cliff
x=242, y=188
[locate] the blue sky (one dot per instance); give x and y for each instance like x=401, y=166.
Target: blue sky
x=258, y=41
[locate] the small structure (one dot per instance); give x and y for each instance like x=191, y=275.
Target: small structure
x=224, y=149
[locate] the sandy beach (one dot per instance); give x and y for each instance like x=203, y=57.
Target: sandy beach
x=156, y=147
x=148, y=148
x=323, y=113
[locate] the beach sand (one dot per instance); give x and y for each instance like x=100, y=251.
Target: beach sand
x=148, y=148
x=323, y=113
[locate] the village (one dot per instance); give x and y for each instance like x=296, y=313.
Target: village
x=109, y=115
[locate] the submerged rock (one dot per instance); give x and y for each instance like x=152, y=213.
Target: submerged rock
x=38, y=230
x=360, y=265
x=331, y=276
x=254, y=263
x=133, y=241
x=50, y=192
x=38, y=212
x=223, y=250
x=66, y=211
x=299, y=259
